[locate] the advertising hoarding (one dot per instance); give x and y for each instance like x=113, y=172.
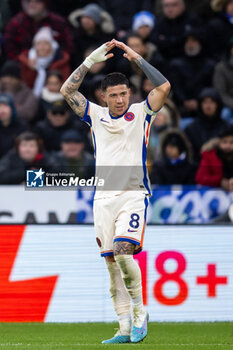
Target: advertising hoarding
x=54, y=273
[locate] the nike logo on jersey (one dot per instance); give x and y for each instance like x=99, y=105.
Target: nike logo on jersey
x=103, y=120
x=132, y=230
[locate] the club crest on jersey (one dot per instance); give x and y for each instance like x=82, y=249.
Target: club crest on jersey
x=129, y=116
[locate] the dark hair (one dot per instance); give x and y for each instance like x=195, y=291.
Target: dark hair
x=226, y=132
x=134, y=35
x=29, y=136
x=11, y=69
x=114, y=79
x=57, y=73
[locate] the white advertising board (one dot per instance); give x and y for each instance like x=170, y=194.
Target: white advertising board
x=18, y=205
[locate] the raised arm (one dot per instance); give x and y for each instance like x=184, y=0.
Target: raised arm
x=70, y=90
x=158, y=95
x=70, y=87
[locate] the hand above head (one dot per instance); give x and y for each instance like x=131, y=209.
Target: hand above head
x=130, y=54
x=100, y=54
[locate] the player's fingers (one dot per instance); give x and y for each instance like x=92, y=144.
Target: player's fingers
x=110, y=47
x=109, y=56
x=125, y=55
x=111, y=42
x=120, y=45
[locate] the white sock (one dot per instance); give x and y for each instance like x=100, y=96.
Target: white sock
x=125, y=324
x=131, y=275
x=120, y=297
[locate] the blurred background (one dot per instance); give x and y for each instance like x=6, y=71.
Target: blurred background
x=190, y=154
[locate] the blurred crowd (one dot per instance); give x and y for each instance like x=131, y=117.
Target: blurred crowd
x=190, y=42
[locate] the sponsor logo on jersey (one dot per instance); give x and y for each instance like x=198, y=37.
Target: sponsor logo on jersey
x=129, y=116
x=103, y=120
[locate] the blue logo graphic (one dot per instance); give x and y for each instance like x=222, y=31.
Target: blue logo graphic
x=35, y=178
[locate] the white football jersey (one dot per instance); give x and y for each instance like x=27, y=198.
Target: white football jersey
x=120, y=145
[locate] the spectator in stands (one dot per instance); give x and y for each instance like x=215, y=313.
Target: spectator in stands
x=166, y=118
x=175, y=166
x=123, y=12
x=216, y=167
x=201, y=8
x=72, y=158
x=11, y=83
x=92, y=26
x=208, y=123
x=95, y=92
x=50, y=92
x=148, y=51
x=191, y=73
x=10, y=125
x=45, y=55
x=58, y=120
x=23, y=26
x=143, y=25
x=220, y=28
x=170, y=28
x=27, y=155
x=223, y=81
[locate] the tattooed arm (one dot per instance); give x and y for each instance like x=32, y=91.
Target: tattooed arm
x=70, y=88
x=158, y=95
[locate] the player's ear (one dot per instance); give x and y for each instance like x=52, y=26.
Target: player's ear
x=129, y=90
x=103, y=97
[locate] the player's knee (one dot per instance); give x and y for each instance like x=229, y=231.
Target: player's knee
x=109, y=259
x=123, y=260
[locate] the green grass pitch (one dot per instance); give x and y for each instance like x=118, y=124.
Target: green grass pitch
x=70, y=336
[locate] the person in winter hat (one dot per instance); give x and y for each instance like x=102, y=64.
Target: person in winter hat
x=43, y=56
x=175, y=166
x=143, y=24
x=21, y=29
x=208, y=122
x=92, y=26
x=191, y=73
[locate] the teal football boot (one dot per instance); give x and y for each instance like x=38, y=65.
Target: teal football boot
x=139, y=333
x=117, y=339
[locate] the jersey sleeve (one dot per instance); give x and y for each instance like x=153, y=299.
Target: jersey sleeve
x=91, y=112
x=86, y=117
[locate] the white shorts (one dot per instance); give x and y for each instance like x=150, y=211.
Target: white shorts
x=120, y=218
